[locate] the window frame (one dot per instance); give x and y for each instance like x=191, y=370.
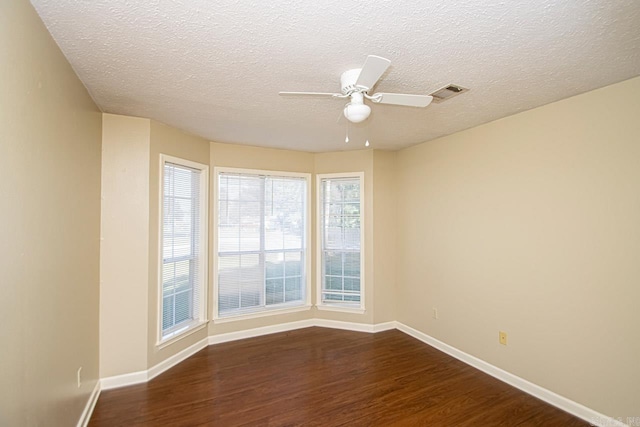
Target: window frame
x=320, y=249
x=306, y=303
x=202, y=278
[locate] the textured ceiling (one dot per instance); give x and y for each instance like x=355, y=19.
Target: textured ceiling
x=214, y=68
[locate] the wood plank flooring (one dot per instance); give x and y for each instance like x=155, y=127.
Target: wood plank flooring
x=324, y=377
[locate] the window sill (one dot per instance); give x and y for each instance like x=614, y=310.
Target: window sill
x=273, y=312
x=190, y=330
x=329, y=307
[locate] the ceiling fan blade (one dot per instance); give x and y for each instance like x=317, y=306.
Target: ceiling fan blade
x=373, y=68
x=308, y=94
x=402, y=99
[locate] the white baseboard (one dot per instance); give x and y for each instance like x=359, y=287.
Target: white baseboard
x=351, y=326
x=386, y=326
x=88, y=408
x=139, y=377
x=124, y=380
x=256, y=332
x=172, y=361
x=561, y=402
x=348, y=326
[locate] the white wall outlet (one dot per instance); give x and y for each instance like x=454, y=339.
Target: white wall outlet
x=79, y=376
x=435, y=313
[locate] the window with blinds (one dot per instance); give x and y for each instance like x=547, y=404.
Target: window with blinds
x=340, y=227
x=262, y=242
x=183, y=245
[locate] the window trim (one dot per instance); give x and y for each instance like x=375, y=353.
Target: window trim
x=319, y=230
x=203, y=276
x=306, y=305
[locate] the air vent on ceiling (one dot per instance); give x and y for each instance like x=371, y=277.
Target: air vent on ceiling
x=447, y=92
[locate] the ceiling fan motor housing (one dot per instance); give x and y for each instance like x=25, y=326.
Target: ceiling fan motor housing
x=348, y=81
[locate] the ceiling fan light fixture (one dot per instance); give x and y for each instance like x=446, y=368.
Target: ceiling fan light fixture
x=357, y=113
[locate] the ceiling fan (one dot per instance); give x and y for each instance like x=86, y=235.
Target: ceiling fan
x=355, y=84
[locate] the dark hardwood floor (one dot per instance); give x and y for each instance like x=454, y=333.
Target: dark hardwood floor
x=324, y=377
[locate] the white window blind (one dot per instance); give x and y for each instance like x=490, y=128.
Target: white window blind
x=183, y=241
x=341, y=237
x=261, y=242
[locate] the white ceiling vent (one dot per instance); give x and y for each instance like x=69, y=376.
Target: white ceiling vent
x=447, y=92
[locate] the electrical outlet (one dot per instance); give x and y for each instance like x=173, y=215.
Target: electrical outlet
x=79, y=376
x=502, y=338
x=435, y=313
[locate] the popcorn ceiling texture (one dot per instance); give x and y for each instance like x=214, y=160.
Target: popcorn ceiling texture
x=214, y=68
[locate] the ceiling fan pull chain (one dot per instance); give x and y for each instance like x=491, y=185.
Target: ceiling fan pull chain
x=367, y=133
x=346, y=140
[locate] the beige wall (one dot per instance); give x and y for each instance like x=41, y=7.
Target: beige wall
x=530, y=225
x=243, y=156
x=124, y=251
x=384, y=224
x=50, y=222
